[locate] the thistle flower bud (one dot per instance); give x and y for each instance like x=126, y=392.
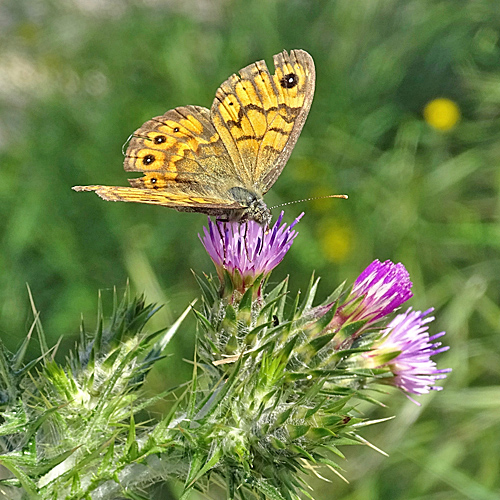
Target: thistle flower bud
x=378, y=291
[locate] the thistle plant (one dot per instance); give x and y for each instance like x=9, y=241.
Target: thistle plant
x=273, y=394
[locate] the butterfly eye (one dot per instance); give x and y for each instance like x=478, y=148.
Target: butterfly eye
x=148, y=159
x=159, y=139
x=289, y=81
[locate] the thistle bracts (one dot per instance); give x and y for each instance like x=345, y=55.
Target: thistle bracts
x=276, y=396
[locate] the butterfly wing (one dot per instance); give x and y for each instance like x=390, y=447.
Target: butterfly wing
x=221, y=161
x=178, y=200
x=259, y=116
x=185, y=164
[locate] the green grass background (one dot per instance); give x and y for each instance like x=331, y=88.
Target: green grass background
x=77, y=77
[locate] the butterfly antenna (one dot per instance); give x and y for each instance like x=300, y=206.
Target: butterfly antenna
x=344, y=196
x=125, y=145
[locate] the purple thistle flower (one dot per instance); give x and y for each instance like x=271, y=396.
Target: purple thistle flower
x=246, y=250
x=407, y=343
x=380, y=289
x=384, y=287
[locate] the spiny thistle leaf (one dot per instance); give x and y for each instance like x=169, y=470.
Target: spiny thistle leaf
x=25, y=481
x=206, y=284
x=309, y=295
x=75, y=411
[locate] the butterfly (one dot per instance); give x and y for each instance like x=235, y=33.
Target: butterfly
x=221, y=161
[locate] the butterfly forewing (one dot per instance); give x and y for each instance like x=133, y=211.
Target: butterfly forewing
x=178, y=200
x=259, y=116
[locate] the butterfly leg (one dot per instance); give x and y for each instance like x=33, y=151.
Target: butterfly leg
x=245, y=240
x=223, y=239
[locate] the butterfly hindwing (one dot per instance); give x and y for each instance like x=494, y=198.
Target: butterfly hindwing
x=180, y=151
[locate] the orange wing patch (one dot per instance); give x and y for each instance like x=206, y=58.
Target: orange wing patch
x=165, y=140
x=294, y=81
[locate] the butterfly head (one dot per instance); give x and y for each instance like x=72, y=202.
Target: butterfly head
x=259, y=212
x=253, y=207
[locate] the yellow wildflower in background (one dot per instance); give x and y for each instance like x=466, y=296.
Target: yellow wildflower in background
x=336, y=240
x=442, y=113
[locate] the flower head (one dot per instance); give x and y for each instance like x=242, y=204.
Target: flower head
x=379, y=290
x=442, y=114
x=405, y=347
x=246, y=250
x=384, y=286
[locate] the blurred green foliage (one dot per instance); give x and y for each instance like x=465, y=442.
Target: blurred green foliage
x=78, y=76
